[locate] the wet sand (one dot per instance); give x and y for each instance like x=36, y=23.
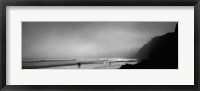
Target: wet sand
x=74, y=64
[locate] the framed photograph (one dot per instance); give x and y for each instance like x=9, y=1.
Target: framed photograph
x=144, y=45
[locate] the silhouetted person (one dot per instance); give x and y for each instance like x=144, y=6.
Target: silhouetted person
x=79, y=65
x=110, y=63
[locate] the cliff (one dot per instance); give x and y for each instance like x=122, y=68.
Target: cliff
x=160, y=52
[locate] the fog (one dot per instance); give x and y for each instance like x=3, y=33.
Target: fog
x=71, y=40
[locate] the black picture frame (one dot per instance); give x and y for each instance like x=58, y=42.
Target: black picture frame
x=4, y=3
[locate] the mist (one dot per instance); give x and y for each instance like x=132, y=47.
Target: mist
x=72, y=40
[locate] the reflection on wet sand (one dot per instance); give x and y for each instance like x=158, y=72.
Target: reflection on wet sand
x=109, y=63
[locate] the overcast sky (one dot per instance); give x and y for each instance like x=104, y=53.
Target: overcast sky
x=69, y=40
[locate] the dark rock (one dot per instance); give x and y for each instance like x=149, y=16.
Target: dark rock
x=160, y=53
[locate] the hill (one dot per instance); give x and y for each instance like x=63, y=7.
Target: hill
x=160, y=52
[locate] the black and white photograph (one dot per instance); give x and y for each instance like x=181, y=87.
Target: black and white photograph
x=100, y=45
